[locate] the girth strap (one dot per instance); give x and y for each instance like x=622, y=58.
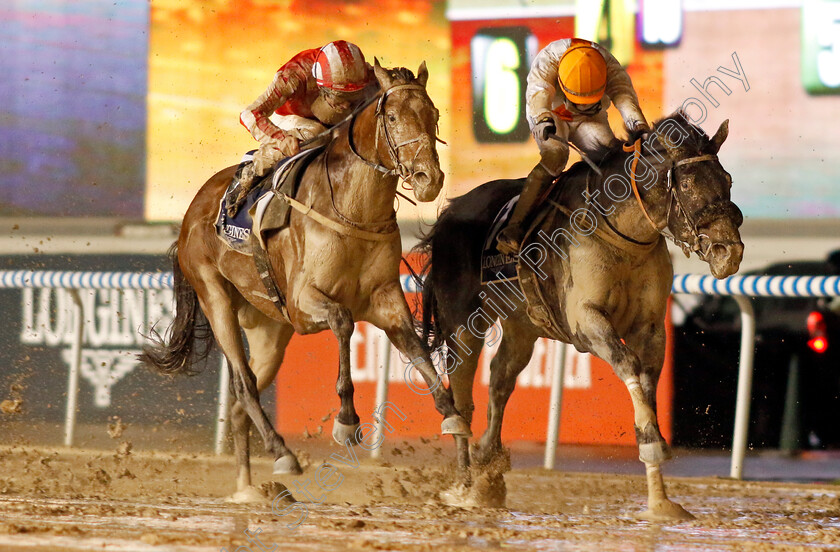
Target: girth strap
x=269, y=280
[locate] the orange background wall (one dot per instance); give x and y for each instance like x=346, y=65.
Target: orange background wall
x=596, y=406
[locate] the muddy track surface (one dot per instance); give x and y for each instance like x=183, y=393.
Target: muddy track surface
x=58, y=499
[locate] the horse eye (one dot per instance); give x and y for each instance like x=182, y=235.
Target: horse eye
x=391, y=117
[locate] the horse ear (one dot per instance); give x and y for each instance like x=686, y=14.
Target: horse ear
x=720, y=135
x=381, y=75
x=423, y=74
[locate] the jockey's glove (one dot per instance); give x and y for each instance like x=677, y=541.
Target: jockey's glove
x=545, y=128
x=637, y=126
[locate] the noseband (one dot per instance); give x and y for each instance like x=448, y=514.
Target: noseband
x=674, y=195
x=400, y=169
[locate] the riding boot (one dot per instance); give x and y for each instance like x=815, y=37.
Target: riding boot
x=510, y=238
x=236, y=197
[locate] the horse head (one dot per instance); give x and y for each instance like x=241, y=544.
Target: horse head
x=700, y=213
x=409, y=124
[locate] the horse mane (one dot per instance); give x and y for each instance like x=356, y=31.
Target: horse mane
x=697, y=140
x=401, y=74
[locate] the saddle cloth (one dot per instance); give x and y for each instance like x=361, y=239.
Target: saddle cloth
x=495, y=265
x=259, y=213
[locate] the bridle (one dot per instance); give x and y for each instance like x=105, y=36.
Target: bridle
x=674, y=195
x=400, y=169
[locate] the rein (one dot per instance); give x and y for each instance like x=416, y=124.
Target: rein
x=344, y=229
x=349, y=227
x=673, y=196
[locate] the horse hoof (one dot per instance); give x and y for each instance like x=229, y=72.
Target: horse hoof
x=654, y=453
x=458, y=495
x=248, y=495
x=455, y=425
x=482, y=456
x=343, y=432
x=665, y=511
x=287, y=465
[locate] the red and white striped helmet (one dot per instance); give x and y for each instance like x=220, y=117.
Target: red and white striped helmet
x=341, y=66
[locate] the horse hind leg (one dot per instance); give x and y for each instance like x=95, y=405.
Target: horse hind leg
x=215, y=296
x=241, y=427
x=267, y=341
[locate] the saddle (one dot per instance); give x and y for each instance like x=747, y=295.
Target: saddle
x=261, y=211
x=498, y=268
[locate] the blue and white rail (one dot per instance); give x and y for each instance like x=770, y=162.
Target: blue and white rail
x=73, y=282
x=739, y=287
x=84, y=280
x=758, y=286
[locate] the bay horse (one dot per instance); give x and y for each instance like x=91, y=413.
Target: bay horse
x=594, y=271
x=337, y=262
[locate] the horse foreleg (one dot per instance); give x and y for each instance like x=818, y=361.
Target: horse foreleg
x=322, y=310
x=604, y=341
x=651, y=346
x=389, y=312
x=513, y=355
x=346, y=421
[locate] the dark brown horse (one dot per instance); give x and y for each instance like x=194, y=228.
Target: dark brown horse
x=594, y=271
x=336, y=263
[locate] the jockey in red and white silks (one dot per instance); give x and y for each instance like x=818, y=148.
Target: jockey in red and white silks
x=315, y=89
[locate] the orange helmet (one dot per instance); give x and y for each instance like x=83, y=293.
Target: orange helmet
x=582, y=73
x=341, y=66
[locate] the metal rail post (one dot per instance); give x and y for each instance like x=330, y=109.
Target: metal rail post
x=744, y=394
x=75, y=367
x=224, y=406
x=556, y=402
x=381, y=396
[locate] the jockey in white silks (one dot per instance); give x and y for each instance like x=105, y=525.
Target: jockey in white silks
x=570, y=86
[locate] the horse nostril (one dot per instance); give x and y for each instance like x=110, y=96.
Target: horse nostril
x=421, y=178
x=719, y=251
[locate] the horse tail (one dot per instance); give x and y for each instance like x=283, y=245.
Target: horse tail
x=190, y=338
x=429, y=326
x=451, y=275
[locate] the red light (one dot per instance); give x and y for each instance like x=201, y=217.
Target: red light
x=816, y=323
x=818, y=344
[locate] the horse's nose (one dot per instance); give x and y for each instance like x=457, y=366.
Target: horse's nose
x=421, y=179
x=725, y=258
x=720, y=252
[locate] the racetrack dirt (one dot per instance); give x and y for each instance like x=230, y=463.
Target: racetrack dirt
x=68, y=499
